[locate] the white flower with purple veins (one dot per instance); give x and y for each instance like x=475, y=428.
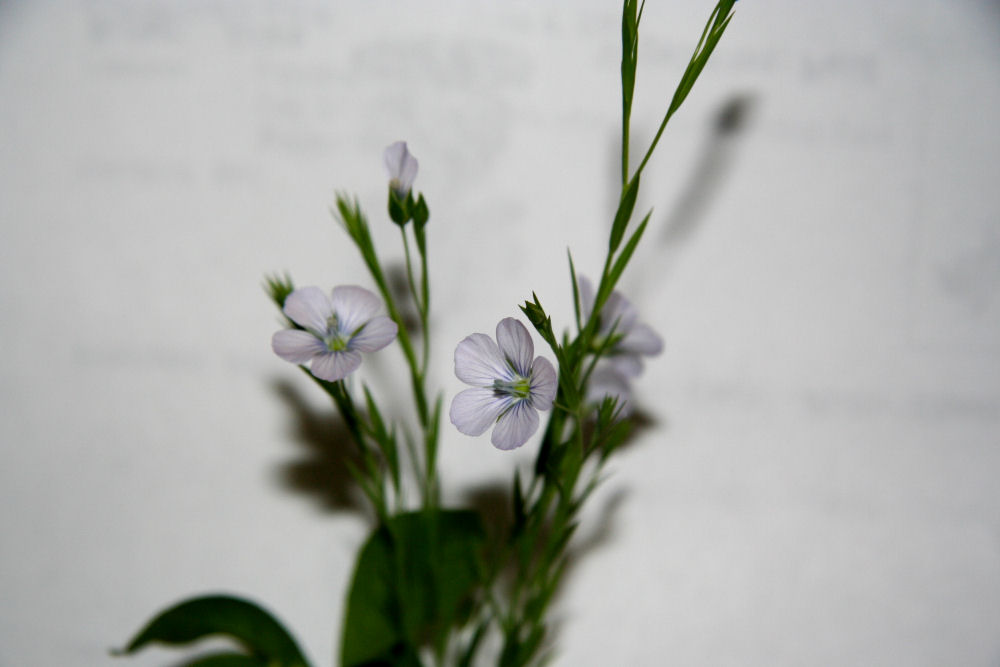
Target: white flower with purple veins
x=336, y=329
x=402, y=168
x=620, y=318
x=623, y=361
x=508, y=387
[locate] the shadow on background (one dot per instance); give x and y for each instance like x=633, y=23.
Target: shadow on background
x=494, y=502
x=323, y=471
x=710, y=171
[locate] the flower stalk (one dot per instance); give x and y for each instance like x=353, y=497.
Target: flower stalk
x=432, y=583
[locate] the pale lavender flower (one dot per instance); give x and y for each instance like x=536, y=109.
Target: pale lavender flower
x=620, y=318
x=623, y=361
x=508, y=388
x=402, y=168
x=336, y=329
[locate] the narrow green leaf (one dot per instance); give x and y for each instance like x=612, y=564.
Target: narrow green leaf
x=510, y=653
x=629, y=43
x=465, y=660
x=532, y=644
x=626, y=254
x=519, y=514
x=383, y=437
x=714, y=27
x=432, y=450
x=542, y=461
x=576, y=291
x=250, y=625
x=624, y=213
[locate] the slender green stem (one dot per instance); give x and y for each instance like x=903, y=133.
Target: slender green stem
x=425, y=310
x=370, y=478
x=411, y=283
x=428, y=423
x=625, y=143
x=713, y=30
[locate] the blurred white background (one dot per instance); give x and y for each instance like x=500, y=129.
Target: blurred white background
x=818, y=483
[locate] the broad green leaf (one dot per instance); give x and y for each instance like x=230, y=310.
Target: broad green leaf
x=250, y=625
x=414, y=580
x=226, y=660
x=371, y=628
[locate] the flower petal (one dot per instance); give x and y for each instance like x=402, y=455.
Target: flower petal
x=629, y=365
x=334, y=366
x=641, y=339
x=379, y=332
x=475, y=410
x=296, y=346
x=401, y=167
x=515, y=426
x=543, y=383
x=618, y=315
x=478, y=361
x=607, y=380
x=309, y=307
x=515, y=345
x=354, y=306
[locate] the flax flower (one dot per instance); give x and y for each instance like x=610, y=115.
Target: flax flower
x=620, y=318
x=401, y=167
x=623, y=361
x=508, y=387
x=336, y=329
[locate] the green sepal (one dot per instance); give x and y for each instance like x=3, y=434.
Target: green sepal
x=256, y=630
x=399, y=211
x=414, y=580
x=420, y=211
x=278, y=287
x=420, y=216
x=543, y=323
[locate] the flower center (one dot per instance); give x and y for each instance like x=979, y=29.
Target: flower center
x=519, y=387
x=335, y=342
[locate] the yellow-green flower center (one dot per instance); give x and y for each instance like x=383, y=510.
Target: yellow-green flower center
x=519, y=387
x=335, y=343
x=334, y=340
